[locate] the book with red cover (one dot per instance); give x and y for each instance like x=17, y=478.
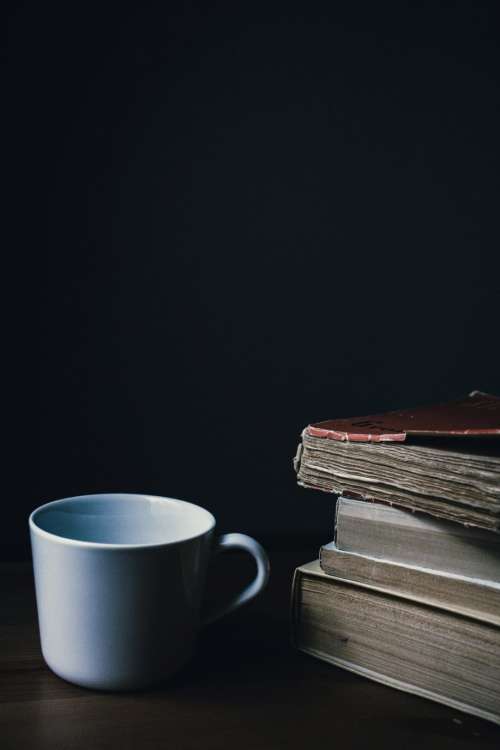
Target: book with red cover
x=476, y=415
x=442, y=459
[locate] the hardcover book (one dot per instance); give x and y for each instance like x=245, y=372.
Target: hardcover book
x=414, y=646
x=389, y=534
x=472, y=597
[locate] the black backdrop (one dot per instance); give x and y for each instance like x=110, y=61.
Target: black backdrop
x=231, y=220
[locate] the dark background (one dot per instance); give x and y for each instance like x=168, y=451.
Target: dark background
x=229, y=220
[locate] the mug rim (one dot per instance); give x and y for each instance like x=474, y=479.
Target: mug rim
x=69, y=541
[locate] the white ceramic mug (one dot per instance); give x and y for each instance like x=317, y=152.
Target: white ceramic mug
x=119, y=583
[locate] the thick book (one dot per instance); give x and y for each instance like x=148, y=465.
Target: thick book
x=392, y=534
x=442, y=460
x=419, y=648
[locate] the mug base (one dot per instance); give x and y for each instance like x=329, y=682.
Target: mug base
x=122, y=683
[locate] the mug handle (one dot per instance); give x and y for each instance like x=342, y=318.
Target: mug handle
x=241, y=541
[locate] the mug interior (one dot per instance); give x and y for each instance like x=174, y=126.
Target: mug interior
x=122, y=519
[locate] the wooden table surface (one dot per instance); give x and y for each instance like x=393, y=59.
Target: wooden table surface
x=246, y=688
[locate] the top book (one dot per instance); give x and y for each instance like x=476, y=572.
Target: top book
x=442, y=459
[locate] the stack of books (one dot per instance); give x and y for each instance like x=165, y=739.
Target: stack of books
x=408, y=591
